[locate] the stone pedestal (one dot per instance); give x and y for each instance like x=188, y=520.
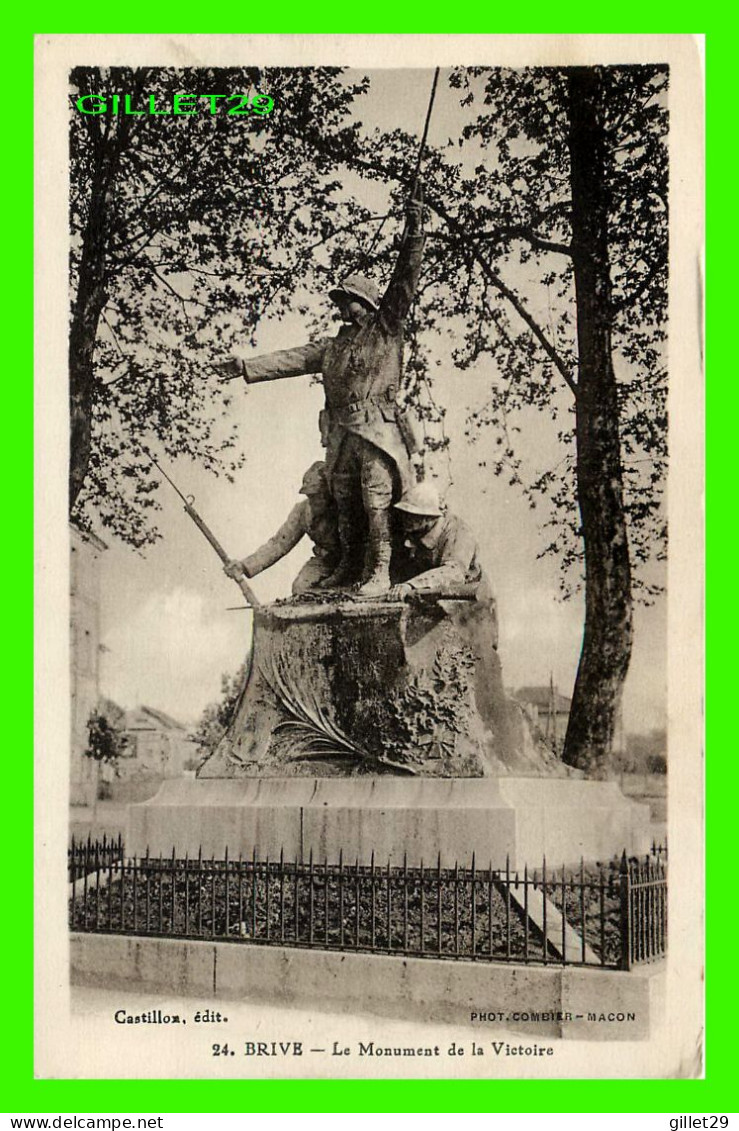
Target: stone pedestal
x=376, y=727
x=522, y=818
x=358, y=688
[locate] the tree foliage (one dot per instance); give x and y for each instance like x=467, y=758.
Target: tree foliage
x=498, y=276
x=216, y=716
x=209, y=228
x=526, y=219
x=106, y=738
x=186, y=232
x=551, y=247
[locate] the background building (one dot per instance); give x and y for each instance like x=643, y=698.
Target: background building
x=548, y=711
x=157, y=747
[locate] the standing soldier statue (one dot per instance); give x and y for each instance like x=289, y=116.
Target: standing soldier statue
x=369, y=439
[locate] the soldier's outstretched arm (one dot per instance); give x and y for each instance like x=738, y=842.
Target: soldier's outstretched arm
x=447, y=575
x=280, y=363
x=396, y=302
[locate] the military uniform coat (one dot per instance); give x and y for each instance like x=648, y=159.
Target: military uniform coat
x=361, y=368
x=446, y=555
x=320, y=528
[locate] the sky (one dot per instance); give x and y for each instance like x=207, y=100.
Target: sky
x=168, y=623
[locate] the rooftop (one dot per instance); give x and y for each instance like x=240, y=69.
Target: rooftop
x=148, y=718
x=541, y=697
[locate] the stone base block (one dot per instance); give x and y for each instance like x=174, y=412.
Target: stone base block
x=519, y=818
x=535, y=1001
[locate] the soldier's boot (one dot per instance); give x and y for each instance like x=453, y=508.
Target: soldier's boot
x=377, y=560
x=345, y=572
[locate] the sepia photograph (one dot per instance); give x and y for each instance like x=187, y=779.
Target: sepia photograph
x=369, y=391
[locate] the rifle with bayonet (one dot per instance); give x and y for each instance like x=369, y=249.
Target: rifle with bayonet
x=202, y=526
x=452, y=591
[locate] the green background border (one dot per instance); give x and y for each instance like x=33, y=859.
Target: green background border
x=22, y=1093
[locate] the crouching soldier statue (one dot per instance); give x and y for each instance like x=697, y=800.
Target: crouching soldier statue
x=441, y=556
x=369, y=440
x=314, y=516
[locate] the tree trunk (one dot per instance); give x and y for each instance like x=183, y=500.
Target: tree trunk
x=90, y=300
x=83, y=333
x=607, y=639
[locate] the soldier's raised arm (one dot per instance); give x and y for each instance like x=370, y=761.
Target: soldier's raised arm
x=396, y=302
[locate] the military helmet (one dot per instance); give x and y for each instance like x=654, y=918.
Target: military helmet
x=422, y=499
x=358, y=286
x=314, y=480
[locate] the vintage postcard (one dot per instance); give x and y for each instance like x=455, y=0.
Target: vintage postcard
x=369, y=464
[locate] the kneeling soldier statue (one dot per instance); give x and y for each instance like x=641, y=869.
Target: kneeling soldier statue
x=314, y=516
x=369, y=440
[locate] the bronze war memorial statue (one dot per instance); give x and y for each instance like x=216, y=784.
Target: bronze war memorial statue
x=373, y=718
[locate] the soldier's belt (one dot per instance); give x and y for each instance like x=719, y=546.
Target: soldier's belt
x=362, y=410
x=354, y=415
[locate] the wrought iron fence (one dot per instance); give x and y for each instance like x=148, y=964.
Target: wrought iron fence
x=87, y=856
x=610, y=915
x=643, y=888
